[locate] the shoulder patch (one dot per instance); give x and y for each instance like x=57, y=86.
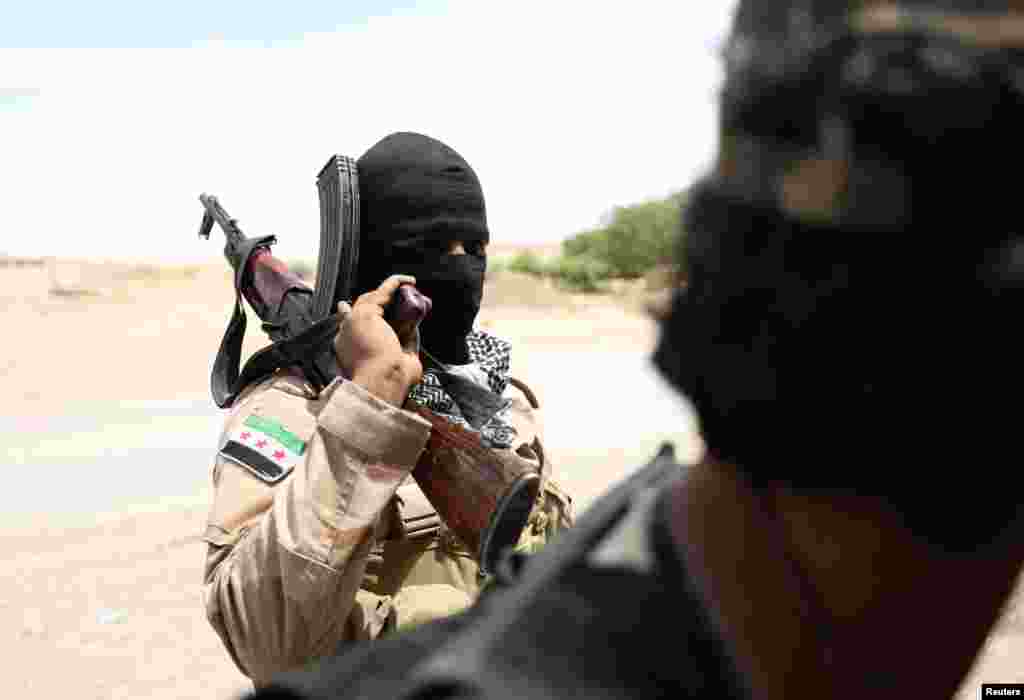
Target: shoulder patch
x=264, y=447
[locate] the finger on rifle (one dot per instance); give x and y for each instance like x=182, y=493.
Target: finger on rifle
x=382, y=295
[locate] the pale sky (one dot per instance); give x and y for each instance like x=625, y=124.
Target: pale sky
x=114, y=118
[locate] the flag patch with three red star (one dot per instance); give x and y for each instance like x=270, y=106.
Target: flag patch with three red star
x=264, y=447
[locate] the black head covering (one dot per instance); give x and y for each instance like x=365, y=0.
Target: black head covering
x=414, y=187
x=416, y=195
x=829, y=335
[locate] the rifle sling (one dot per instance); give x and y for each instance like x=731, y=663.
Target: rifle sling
x=226, y=383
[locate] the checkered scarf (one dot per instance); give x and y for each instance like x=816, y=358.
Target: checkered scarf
x=491, y=355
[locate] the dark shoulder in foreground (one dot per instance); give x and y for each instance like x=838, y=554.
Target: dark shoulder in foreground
x=605, y=611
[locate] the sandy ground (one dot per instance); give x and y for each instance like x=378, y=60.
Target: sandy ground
x=107, y=605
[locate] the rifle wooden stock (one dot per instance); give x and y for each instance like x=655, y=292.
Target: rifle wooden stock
x=484, y=496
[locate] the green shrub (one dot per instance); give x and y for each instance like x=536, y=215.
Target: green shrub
x=592, y=244
x=581, y=273
x=637, y=238
x=636, y=241
x=529, y=263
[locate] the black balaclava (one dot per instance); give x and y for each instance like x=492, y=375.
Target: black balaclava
x=416, y=196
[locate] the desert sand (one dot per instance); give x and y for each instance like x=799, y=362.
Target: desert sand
x=101, y=602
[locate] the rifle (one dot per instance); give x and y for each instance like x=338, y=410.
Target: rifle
x=281, y=300
x=496, y=497
x=285, y=304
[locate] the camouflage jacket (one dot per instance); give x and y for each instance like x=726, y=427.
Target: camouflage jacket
x=319, y=536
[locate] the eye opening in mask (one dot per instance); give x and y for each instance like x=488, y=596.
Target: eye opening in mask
x=434, y=245
x=477, y=248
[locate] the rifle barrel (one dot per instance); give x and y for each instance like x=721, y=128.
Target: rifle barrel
x=226, y=223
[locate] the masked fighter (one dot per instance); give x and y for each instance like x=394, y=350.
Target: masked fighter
x=345, y=547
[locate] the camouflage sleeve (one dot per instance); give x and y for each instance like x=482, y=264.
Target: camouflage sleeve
x=286, y=559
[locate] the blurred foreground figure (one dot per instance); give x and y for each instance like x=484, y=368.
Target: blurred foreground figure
x=855, y=270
